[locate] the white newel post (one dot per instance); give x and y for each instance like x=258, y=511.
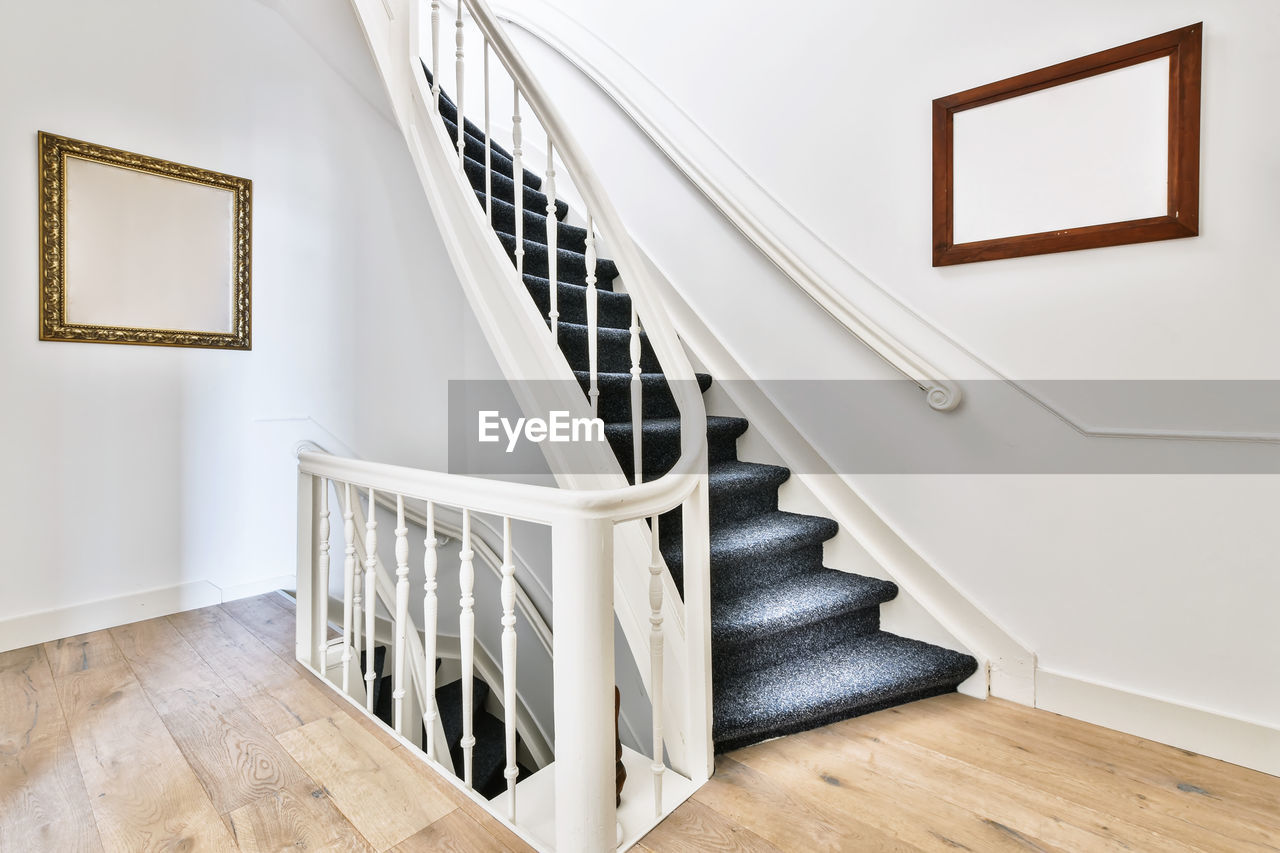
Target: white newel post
x=582, y=609
x=697, y=608
x=308, y=556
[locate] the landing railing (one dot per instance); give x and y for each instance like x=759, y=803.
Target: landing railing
x=605, y=561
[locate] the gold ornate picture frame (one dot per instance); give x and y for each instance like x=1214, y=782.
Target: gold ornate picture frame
x=138, y=250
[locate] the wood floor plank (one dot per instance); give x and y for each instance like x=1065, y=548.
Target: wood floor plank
x=753, y=800
x=1248, y=794
x=299, y=817
x=43, y=802
x=373, y=786
x=815, y=771
x=168, y=668
x=1061, y=823
x=696, y=828
x=504, y=837
x=1031, y=758
x=269, y=687
x=269, y=618
x=456, y=832
x=144, y=795
x=84, y=651
x=235, y=758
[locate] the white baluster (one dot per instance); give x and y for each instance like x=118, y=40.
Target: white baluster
x=593, y=391
x=467, y=637
x=402, y=615
x=488, y=163
x=655, y=661
x=435, y=51
x=430, y=608
x=371, y=598
x=509, y=665
x=322, y=582
x=348, y=586
x=553, y=232
x=637, y=398
x=357, y=610
x=517, y=178
x=462, y=136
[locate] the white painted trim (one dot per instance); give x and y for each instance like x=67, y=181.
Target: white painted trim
x=41, y=627
x=1248, y=743
x=775, y=230
x=258, y=587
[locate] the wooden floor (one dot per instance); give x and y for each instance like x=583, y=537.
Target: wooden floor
x=199, y=732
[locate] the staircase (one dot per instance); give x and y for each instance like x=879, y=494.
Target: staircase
x=488, y=757
x=795, y=645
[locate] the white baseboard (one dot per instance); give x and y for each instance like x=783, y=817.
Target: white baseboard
x=258, y=587
x=1247, y=743
x=33, y=628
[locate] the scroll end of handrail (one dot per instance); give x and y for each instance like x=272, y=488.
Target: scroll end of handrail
x=307, y=446
x=943, y=396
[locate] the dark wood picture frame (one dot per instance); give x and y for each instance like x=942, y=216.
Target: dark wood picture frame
x=1182, y=218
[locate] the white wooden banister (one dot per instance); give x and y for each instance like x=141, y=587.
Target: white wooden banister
x=603, y=529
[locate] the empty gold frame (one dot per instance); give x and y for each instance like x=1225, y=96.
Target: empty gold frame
x=136, y=250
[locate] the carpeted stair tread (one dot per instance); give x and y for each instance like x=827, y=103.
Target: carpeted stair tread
x=613, y=349
x=571, y=237
x=852, y=677
x=660, y=442
x=489, y=755
x=473, y=147
x=570, y=266
x=449, y=112
x=504, y=188
x=615, y=394
x=795, y=602
x=758, y=538
x=613, y=309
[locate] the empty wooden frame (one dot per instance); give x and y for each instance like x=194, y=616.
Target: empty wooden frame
x=1181, y=215
x=137, y=250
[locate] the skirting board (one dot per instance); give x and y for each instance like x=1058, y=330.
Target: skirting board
x=1249, y=744
x=32, y=628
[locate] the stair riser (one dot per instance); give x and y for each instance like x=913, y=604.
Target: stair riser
x=729, y=741
x=661, y=451
x=499, y=162
x=615, y=398
x=571, y=267
x=729, y=579
x=731, y=660
x=450, y=114
x=729, y=507
x=613, y=350
x=504, y=189
x=614, y=309
x=569, y=237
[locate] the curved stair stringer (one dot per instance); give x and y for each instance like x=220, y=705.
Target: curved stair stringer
x=528, y=357
x=1006, y=665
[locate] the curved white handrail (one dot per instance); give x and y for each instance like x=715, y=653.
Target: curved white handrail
x=942, y=393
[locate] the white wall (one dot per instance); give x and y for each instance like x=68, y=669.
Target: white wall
x=135, y=468
x=1163, y=586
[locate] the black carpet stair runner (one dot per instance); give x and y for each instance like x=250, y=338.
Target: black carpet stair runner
x=488, y=757
x=795, y=645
